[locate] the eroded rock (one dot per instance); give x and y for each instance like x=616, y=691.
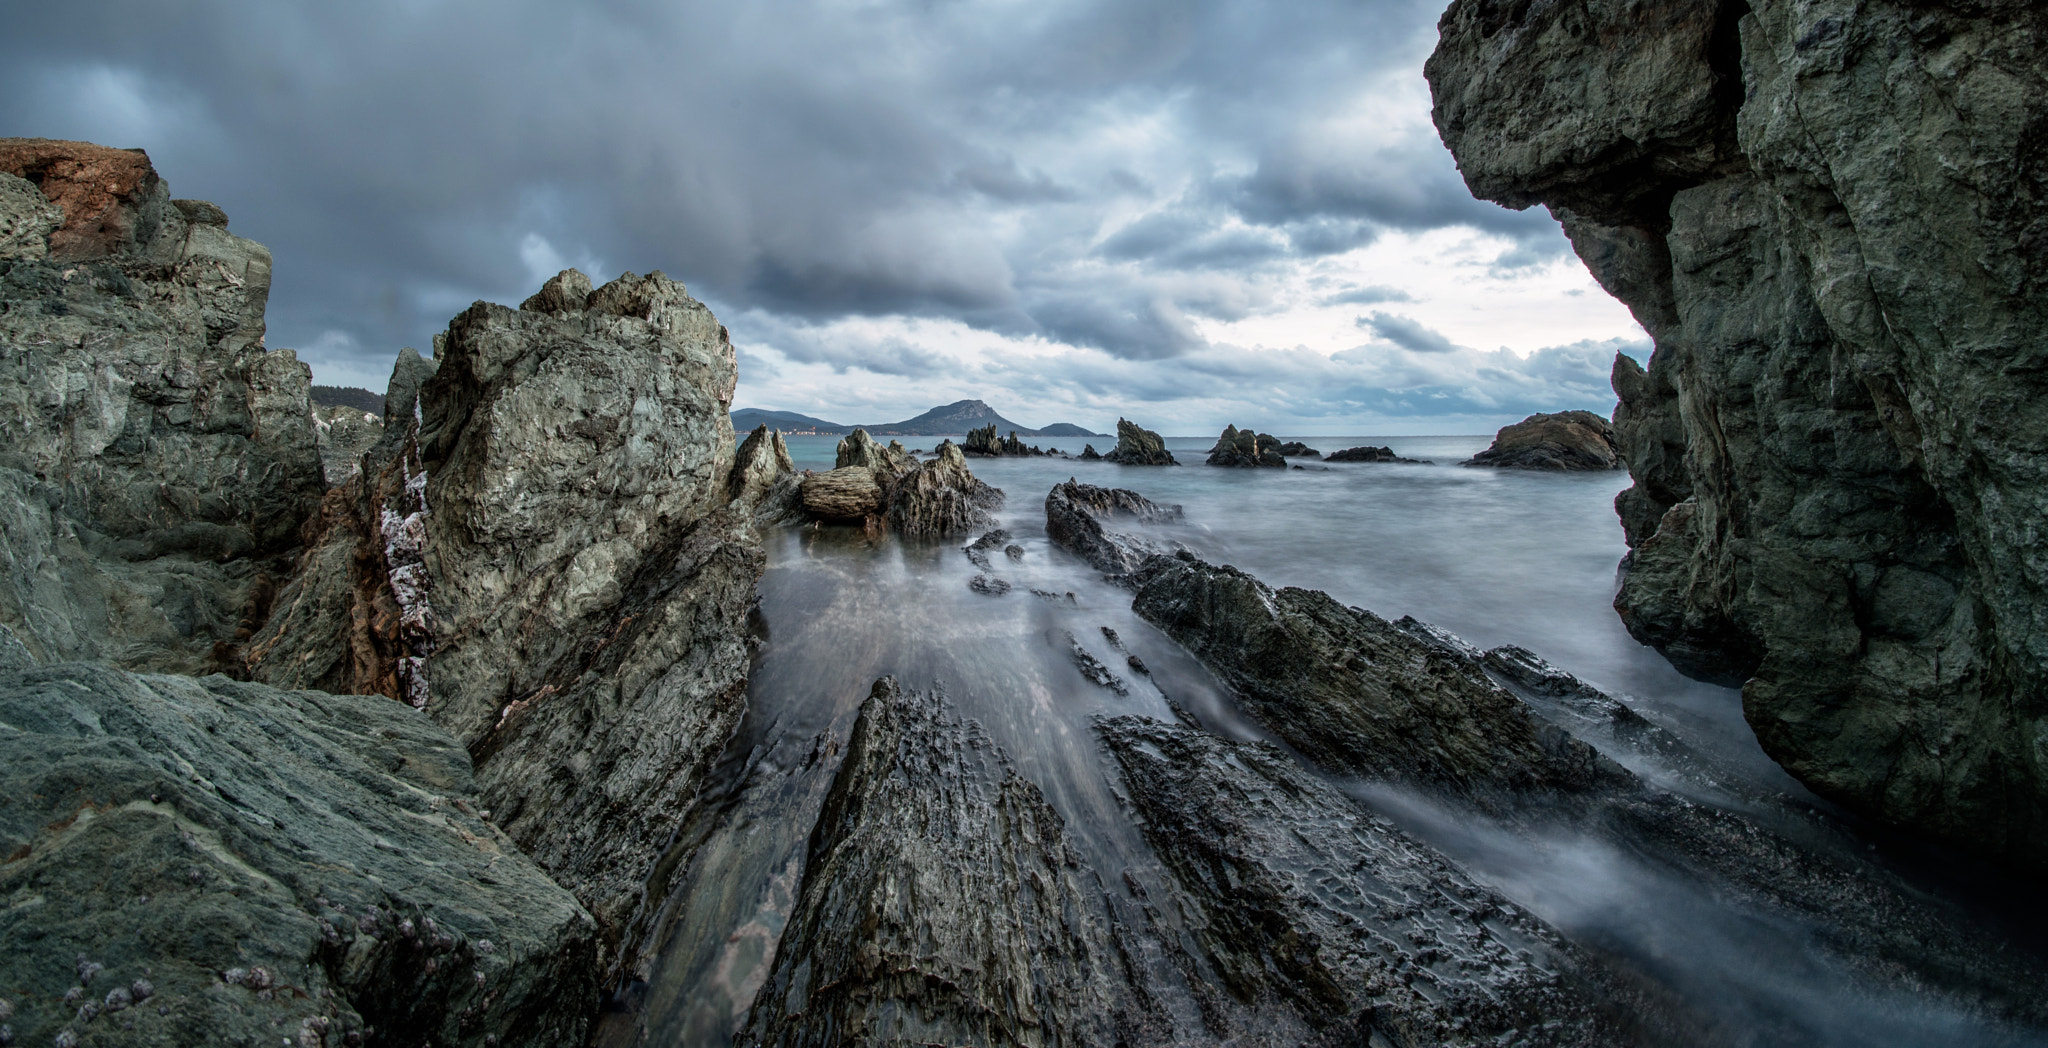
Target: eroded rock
x=1245, y=449
x=1074, y=517
x=1137, y=446
x=1562, y=442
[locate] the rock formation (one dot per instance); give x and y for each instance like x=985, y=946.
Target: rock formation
x=1296, y=449
x=1075, y=513
x=1828, y=217
x=1136, y=446
x=885, y=487
x=201, y=861
x=160, y=461
x=1369, y=453
x=847, y=495
x=1245, y=449
x=1561, y=442
x=343, y=435
x=1089, y=453
x=765, y=476
x=984, y=441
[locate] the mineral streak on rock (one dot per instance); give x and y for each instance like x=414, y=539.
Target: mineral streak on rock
x=159, y=460
x=1074, y=515
x=1357, y=695
x=942, y=904
x=1245, y=449
x=1828, y=217
x=245, y=861
x=1136, y=446
x=1298, y=897
x=1561, y=442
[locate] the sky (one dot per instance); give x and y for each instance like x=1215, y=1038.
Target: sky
x=1187, y=214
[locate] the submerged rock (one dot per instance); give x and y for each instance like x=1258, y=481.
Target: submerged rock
x=1565, y=441
x=978, y=550
x=1136, y=446
x=1074, y=515
x=1245, y=449
x=1370, y=454
x=256, y=863
x=941, y=903
x=1826, y=215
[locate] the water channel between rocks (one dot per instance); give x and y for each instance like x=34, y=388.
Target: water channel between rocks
x=1494, y=557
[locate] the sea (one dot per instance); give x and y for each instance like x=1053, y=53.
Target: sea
x=1493, y=556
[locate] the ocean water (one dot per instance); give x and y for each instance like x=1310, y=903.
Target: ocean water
x=1493, y=556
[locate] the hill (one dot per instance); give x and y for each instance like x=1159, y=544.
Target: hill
x=349, y=397
x=950, y=420
x=745, y=419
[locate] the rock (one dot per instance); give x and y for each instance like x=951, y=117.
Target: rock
x=1296, y=449
x=565, y=292
x=941, y=497
x=941, y=903
x=1296, y=896
x=1565, y=441
x=1089, y=453
x=552, y=564
x=1075, y=512
x=256, y=861
x=161, y=461
x=1370, y=454
x=27, y=219
x=977, y=551
x=1138, y=447
x=1359, y=696
x=1827, y=216
x=1246, y=449
x=846, y=494
x=343, y=434
x=989, y=585
x=859, y=449
x=765, y=476
x=984, y=441
x=1093, y=669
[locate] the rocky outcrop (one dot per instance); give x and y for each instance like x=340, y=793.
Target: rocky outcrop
x=941, y=903
x=200, y=861
x=765, y=477
x=1369, y=453
x=550, y=585
x=160, y=461
x=882, y=488
x=343, y=434
x=1296, y=449
x=1088, y=453
x=847, y=495
x=859, y=449
x=1557, y=443
x=1136, y=446
x=1827, y=216
x=984, y=442
x=1245, y=449
x=1359, y=696
x=1074, y=518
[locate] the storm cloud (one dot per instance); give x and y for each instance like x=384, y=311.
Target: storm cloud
x=1115, y=197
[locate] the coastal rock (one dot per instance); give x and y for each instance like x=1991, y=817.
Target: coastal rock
x=1136, y=446
x=764, y=476
x=1359, y=696
x=984, y=441
x=1296, y=449
x=1564, y=441
x=160, y=461
x=846, y=494
x=1088, y=453
x=1074, y=515
x=941, y=497
x=343, y=435
x=235, y=864
x=1369, y=453
x=1245, y=449
x=1827, y=217
x=551, y=564
x=941, y=903
x=565, y=292
x=978, y=550
x=859, y=449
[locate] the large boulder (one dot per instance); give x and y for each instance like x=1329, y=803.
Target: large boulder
x=1828, y=217
x=1561, y=442
x=1075, y=514
x=1137, y=446
x=1246, y=449
x=847, y=495
x=160, y=461
x=201, y=861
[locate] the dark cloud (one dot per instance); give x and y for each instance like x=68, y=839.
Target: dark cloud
x=1371, y=294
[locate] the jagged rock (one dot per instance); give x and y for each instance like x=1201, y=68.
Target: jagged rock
x=1295, y=895
x=859, y=449
x=1089, y=453
x=989, y=585
x=1138, y=447
x=977, y=551
x=1093, y=669
x=941, y=903
x=551, y=564
x=1074, y=513
x=984, y=442
x=1243, y=448
x=567, y=291
x=764, y=476
x=27, y=219
x=257, y=864
x=1370, y=454
x=941, y=497
x=1357, y=695
x=846, y=494
x=1296, y=449
x=1827, y=217
x=160, y=461
x=343, y=435
x=1567, y=440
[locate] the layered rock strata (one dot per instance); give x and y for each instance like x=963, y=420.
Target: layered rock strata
x=1137, y=446
x=200, y=861
x=1567, y=441
x=1074, y=518
x=1827, y=216
x=160, y=460
x=1246, y=449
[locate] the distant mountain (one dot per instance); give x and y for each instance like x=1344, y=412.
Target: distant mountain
x=745, y=419
x=349, y=397
x=1066, y=429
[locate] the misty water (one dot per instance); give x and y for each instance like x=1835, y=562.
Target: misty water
x=1492, y=556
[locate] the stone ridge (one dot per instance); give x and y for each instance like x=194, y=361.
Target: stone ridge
x=1827, y=216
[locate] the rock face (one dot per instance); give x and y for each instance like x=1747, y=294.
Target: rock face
x=212, y=862
x=765, y=476
x=847, y=495
x=1245, y=449
x=1561, y=442
x=160, y=461
x=1369, y=454
x=1358, y=695
x=1074, y=517
x=343, y=435
x=1828, y=217
x=551, y=584
x=941, y=903
x=1138, y=447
